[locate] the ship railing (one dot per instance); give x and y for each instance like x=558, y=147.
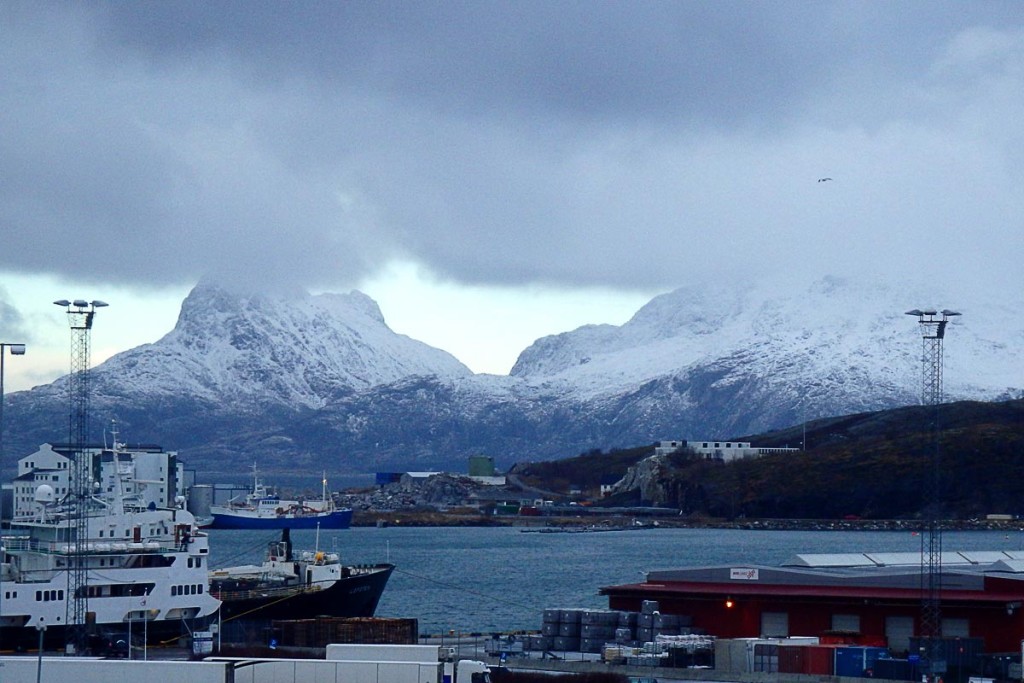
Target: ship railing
x=359, y=569
x=263, y=593
x=105, y=546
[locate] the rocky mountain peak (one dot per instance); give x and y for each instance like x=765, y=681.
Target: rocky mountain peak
x=291, y=348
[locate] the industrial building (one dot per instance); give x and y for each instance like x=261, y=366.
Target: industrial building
x=870, y=598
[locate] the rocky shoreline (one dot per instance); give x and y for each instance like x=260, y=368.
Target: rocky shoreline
x=369, y=518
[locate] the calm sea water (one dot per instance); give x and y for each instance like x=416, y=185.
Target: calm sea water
x=501, y=579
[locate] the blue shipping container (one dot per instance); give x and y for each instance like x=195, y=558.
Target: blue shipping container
x=854, y=661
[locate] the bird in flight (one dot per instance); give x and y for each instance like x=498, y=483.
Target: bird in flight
x=822, y=180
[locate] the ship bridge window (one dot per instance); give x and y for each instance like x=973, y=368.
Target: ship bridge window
x=144, y=561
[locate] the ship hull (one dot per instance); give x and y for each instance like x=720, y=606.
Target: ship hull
x=102, y=639
x=336, y=519
x=355, y=595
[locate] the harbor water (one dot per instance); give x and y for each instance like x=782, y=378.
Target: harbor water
x=484, y=580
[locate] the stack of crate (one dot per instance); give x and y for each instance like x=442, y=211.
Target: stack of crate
x=597, y=627
x=569, y=625
x=323, y=630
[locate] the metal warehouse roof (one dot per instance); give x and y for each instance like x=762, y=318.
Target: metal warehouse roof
x=949, y=559
x=961, y=571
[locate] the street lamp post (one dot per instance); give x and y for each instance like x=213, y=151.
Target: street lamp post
x=80, y=317
x=41, y=627
x=933, y=331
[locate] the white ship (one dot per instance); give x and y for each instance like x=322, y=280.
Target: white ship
x=144, y=567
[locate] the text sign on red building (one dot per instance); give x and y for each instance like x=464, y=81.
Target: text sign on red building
x=743, y=574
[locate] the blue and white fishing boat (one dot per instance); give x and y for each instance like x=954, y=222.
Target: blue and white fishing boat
x=261, y=509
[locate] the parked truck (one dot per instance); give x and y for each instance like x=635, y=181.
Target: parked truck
x=466, y=671
x=454, y=671
x=428, y=654
x=322, y=671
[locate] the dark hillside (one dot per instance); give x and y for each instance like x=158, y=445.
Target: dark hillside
x=869, y=465
x=586, y=470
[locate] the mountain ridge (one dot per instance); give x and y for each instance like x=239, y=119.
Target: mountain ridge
x=297, y=380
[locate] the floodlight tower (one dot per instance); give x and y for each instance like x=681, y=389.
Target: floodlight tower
x=933, y=331
x=80, y=317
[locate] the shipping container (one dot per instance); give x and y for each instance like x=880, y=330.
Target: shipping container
x=628, y=619
x=897, y=670
x=572, y=616
x=649, y=607
x=597, y=631
x=565, y=644
x=819, y=660
x=602, y=617
x=853, y=660
x=792, y=659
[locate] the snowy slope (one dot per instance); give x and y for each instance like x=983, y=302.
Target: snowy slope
x=828, y=336
x=294, y=349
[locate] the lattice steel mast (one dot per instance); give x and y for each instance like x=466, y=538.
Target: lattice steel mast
x=80, y=317
x=933, y=331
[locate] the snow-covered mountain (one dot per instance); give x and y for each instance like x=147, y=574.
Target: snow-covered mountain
x=302, y=381
x=295, y=350
x=737, y=359
x=820, y=340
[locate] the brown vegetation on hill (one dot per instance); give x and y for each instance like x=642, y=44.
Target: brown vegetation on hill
x=870, y=465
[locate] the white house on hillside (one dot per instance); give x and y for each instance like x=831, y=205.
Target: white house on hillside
x=725, y=451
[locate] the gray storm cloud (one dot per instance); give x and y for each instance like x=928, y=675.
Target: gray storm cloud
x=620, y=144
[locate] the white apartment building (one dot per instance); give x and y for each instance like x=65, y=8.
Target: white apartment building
x=726, y=451
x=156, y=476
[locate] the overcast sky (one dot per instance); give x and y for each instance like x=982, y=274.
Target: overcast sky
x=493, y=171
